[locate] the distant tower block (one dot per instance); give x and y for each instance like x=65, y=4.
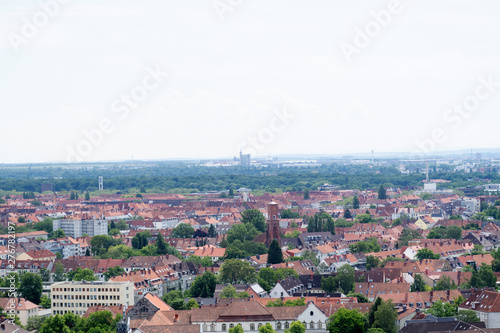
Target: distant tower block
x=273, y=230
x=101, y=184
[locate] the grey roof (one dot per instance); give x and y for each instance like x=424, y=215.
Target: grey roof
x=290, y=282
x=425, y=326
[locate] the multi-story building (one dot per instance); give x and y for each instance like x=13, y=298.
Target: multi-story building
x=142, y=281
x=77, y=297
x=76, y=228
x=67, y=247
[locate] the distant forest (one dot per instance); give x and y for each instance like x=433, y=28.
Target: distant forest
x=183, y=178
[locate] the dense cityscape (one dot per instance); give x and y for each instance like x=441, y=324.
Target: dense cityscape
x=231, y=166
x=340, y=245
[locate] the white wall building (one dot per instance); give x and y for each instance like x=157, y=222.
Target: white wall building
x=76, y=228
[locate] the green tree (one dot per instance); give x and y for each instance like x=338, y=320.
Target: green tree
x=375, y=330
x=347, y=214
x=254, y=217
x=31, y=287
x=228, y=292
x=355, y=202
x=236, y=329
x=483, y=277
x=443, y=309
x=445, y=283
x=426, y=253
x=361, y=298
x=161, y=245
x=87, y=196
x=385, y=317
x=345, y=278
x=54, y=324
x=45, y=274
x=329, y=284
x=418, y=284
x=101, y=243
x=372, y=262
x=192, y=304
x=382, y=194
x=113, y=271
x=306, y=194
x=289, y=214
x=296, y=327
x=81, y=274
x=204, y=285
x=275, y=255
x=57, y=234
x=183, y=230
x=267, y=328
x=175, y=299
x=242, y=232
x=235, y=271
x=211, y=231
x=34, y=323
x=141, y=239
x=45, y=302
x=495, y=265
x=468, y=316
x=373, y=309
x=59, y=272
x=268, y=277
x=453, y=232
x=45, y=225
x=347, y=321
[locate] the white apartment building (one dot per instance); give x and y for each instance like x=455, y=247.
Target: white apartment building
x=77, y=297
x=76, y=228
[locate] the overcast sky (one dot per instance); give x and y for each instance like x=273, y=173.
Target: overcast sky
x=296, y=75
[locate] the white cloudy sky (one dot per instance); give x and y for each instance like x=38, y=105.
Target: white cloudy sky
x=228, y=78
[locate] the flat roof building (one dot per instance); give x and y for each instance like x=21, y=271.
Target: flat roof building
x=78, y=296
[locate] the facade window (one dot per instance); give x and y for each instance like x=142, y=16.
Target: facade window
x=231, y=325
x=320, y=325
x=224, y=328
x=287, y=325
x=252, y=327
x=311, y=326
x=260, y=324
x=278, y=326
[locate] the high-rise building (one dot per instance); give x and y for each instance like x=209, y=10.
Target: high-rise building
x=76, y=228
x=244, y=160
x=273, y=230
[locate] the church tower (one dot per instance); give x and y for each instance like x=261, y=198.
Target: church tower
x=273, y=230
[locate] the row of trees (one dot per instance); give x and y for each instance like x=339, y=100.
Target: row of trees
x=321, y=222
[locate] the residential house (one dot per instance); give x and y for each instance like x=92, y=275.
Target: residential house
x=23, y=308
x=287, y=287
